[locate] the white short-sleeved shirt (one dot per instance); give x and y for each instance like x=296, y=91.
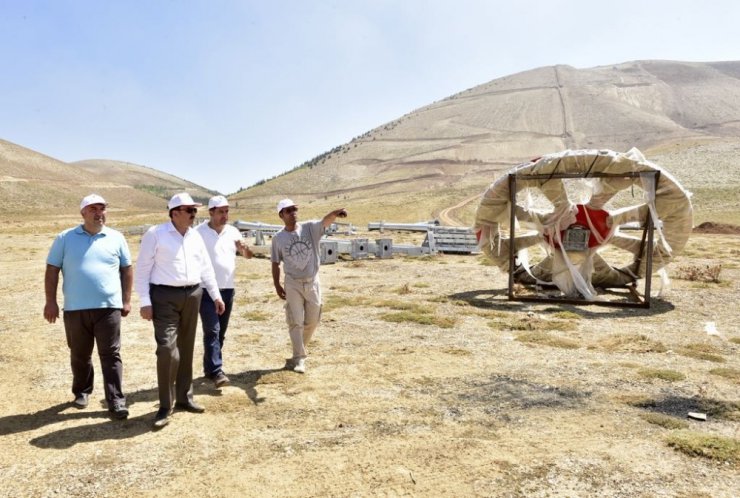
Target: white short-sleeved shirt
x=222, y=250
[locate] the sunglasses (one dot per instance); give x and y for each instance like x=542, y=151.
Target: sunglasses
x=189, y=210
x=291, y=209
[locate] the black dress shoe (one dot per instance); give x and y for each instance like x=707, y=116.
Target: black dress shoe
x=162, y=418
x=190, y=406
x=119, y=412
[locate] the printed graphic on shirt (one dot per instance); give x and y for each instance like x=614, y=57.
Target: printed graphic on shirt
x=299, y=253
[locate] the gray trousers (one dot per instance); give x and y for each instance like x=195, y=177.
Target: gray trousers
x=84, y=328
x=175, y=320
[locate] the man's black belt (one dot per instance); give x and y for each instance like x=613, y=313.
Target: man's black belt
x=178, y=287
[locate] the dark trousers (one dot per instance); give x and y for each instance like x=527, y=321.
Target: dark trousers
x=175, y=320
x=85, y=328
x=214, y=331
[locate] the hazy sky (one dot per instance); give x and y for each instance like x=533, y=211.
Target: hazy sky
x=225, y=93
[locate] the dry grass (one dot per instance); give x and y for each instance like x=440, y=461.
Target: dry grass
x=255, y=316
x=704, y=273
x=696, y=444
x=510, y=385
x=702, y=351
x=727, y=373
x=662, y=374
x=513, y=321
x=543, y=338
x=665, y=421
x=632, y=343
x=422, y=318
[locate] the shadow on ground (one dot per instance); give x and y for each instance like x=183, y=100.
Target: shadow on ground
x=109, y=429
x=680, y=406
x=245, y=380
x=498, y=299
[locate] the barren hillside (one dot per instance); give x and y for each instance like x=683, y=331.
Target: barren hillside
x=451, y=149
x=30, y=180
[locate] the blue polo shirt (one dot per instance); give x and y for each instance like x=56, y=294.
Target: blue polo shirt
x=90, y=266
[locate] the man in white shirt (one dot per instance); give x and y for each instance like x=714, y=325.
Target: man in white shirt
x=297, y=247
x=173, y=263
x=222, y=241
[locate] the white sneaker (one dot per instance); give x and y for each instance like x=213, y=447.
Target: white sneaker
x=300, y=366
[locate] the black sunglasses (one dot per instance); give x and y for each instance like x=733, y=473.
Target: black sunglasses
x=189, y=210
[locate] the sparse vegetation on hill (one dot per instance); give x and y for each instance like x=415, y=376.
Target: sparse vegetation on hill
x=460, y=145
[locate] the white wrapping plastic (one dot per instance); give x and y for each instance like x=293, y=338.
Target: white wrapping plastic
x=579, y=272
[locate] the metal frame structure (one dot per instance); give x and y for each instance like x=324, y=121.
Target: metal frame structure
x=646, y=241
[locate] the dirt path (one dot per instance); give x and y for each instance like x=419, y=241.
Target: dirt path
x=447, y=216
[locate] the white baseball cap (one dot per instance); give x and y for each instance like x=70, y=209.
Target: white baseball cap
x=92, y=199
x=182, y=199
x=217, y=201
x=285, y=203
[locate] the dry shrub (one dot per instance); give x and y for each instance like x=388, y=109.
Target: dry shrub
x=439, y=299
x=457, y=351
x=663, y=374
x=566, y=315
x=422, y=318
x=404, y=289
x=540, y=337
x=728, y=373
x=665, y=421
x=495, y=314
x=515, y=321
x=694, y=444
x=631, y=343
x=701, y=351
x=401, y=306
x=255, y=316
x=334, y=301
x=699, y=273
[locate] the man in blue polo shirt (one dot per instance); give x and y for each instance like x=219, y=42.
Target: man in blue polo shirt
x=97, y=279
